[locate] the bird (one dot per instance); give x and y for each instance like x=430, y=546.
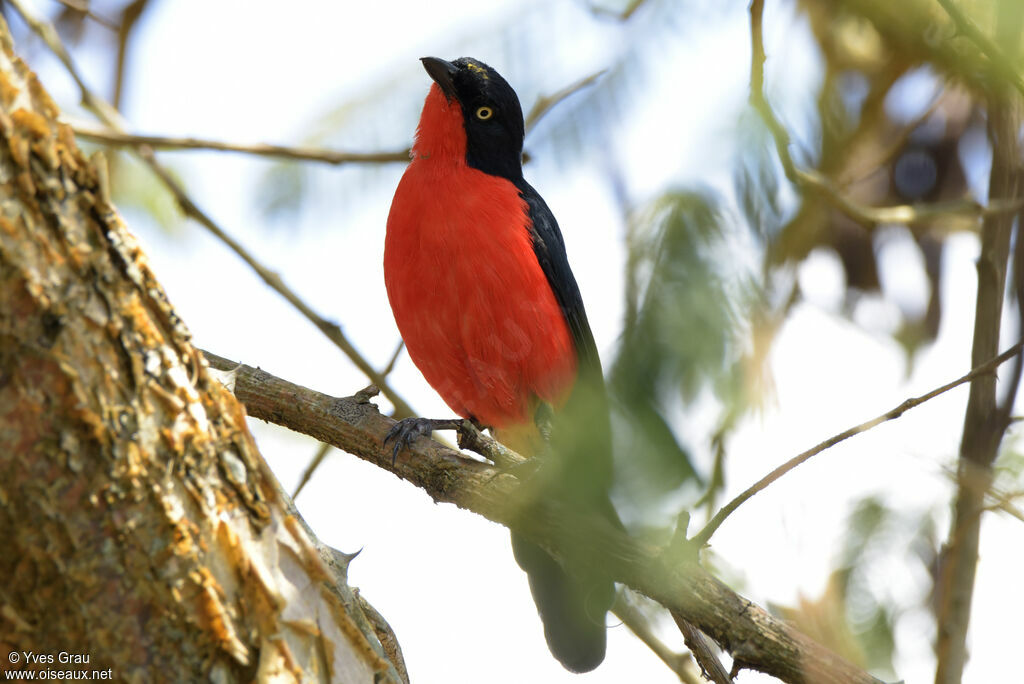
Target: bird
x=479, y=282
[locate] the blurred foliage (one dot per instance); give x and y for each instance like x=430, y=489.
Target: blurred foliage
x=133, y=185
x=857, y=612
x=680, y=335
x=1007, y=491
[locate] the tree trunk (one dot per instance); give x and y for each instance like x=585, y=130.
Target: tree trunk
x=142, y=531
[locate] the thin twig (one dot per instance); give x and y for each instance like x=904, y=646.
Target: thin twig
x=544, y=103
x=394, y=359
x=757, y=98
x=700, y=646
x=704, y=535
x=299, y=153
x=113, y=119
x=622, y=15
x=119, y=138
x=893, y=148
x=314, y=463
x=131, y=14
x=680, y=663
x=83, y=8
x=51, y=38
x=901, y=213
x=1003, y=501
x=999, y=61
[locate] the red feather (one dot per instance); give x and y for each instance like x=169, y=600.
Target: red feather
x=471, y=300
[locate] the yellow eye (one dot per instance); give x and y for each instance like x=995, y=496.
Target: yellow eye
x=484, y=113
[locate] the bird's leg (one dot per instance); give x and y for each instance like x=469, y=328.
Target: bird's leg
x=528, y=469
x=406, y=430
x=542, y=418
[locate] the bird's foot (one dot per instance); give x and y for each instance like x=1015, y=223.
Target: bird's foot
x=408, y=429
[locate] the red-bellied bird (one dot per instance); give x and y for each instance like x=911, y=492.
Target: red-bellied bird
x=481, y=289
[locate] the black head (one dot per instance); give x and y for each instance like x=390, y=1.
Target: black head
x=491, y=113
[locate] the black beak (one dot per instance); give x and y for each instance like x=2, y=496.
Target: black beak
x=442, y=72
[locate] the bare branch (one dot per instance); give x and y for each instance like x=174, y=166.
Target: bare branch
x=710, y=667
x=131, y=14
x=1003, y=501
x=623, y=15
x=882, y=161
x=51, y=38
x=83, y=7
x=545, y=103
x=394, y=359
x=757, y=98
x=314, y=463
x=314, y=154
x=985, y=421
x=680, y=663
x=119, y=138
x=901, y=213
x=754, y=638
x=112, y=118
x=986, y=368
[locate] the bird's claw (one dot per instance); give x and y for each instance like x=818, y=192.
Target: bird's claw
x=408, y=429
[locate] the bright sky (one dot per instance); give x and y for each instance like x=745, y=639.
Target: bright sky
x=445, y=579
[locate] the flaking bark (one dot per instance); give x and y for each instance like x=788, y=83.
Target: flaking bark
x=141, y=527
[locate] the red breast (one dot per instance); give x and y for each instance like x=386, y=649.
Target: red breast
x=471, y=301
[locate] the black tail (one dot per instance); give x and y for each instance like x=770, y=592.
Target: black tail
x=572, y=608
x=577, y=470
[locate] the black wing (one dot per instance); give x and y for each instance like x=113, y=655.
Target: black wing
x=572, y=600
x=586, y=453
x=550, y=250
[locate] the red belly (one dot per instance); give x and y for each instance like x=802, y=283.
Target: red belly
x=471, y=301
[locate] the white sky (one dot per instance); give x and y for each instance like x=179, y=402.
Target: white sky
x=445, y=579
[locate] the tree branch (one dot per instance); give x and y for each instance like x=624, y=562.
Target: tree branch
x=314, y=463
x=112, y=118
x=882, y=161
x=710, y=667
x=314, y=154
x=625, y=14
x=984, y=422
x=754, y=638
x=545, y=103
x=82, y=6
x=985, y=369
x=114, y=136
x=680, y=663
